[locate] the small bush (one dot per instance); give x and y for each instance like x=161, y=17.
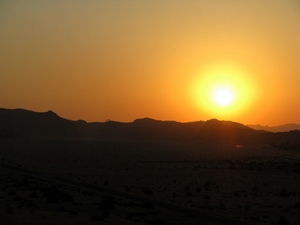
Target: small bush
x=148, y=191
x=282, y=221
x=73, y=213
x=10, y=210
x=148, y=205
x=33, y=195
x=106, y=204
x=284, y=193
x=96, y=218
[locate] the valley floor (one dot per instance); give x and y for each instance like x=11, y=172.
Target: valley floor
x=147, y=182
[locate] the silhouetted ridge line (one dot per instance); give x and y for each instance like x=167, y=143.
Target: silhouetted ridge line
x=24, y=123
x=280, y=128
x=36, y=124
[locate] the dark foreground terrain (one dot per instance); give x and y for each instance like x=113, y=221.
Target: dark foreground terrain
x=58, y=171
x=61, y=181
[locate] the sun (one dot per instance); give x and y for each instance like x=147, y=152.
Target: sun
x=223, y=96
x=222, y=90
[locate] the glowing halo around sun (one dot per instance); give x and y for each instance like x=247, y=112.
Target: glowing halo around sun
x=222, y=90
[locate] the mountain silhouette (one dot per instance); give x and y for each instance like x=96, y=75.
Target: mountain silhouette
x=16, y=123
x=27, y=123
x=280, y=128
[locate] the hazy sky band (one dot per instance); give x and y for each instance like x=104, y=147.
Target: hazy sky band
x=121, y=60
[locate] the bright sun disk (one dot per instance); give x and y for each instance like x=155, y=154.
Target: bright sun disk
x=223, y=96
x=222, y=90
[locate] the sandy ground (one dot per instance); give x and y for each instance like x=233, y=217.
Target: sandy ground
x=147, y=182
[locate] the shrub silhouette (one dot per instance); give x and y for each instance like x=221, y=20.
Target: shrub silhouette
x=148, y=191
x=106, y=204
x=148, y=205
x=284, y=193
x=54, y=195
x=282, y=221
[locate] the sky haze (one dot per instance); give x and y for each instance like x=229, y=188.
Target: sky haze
x=122, y=60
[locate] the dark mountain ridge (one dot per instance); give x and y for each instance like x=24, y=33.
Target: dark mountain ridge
x=29, y=124
x=280, y=128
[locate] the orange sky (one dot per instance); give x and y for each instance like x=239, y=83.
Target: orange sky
x=122, y=60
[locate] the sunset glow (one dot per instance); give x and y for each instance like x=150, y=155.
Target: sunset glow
x=223, y=90
x=168, y=60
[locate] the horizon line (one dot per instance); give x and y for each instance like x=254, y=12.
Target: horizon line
x=150, y=118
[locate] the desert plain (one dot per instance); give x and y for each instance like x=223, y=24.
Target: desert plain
x=127, y=181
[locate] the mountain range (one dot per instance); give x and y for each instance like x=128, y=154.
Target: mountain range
x=21, y=123
x=280, y=128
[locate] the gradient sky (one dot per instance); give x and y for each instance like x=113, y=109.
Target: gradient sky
x=122, y=60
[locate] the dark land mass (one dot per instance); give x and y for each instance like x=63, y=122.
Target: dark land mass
x=280, y=128
x=28, y=124
x=58, y=171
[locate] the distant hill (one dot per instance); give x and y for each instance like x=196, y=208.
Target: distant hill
x=25, y=123
x=21, y=123
x=280, y=128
